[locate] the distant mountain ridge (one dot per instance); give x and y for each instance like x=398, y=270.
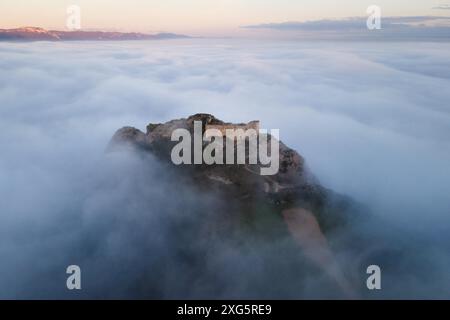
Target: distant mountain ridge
x=40, y=34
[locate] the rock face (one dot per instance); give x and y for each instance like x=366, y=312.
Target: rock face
x=292, y=197
x=292, y=182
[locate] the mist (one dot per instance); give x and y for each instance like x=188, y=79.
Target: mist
x=371, y=119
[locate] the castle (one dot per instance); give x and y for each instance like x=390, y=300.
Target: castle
x=223, y=127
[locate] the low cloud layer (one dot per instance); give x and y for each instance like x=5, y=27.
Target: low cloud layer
x=393, y=28
x=370, y=119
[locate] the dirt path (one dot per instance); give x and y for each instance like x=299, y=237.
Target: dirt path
x=305, y=229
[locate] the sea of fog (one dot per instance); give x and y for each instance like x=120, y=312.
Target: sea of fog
x=371, y=119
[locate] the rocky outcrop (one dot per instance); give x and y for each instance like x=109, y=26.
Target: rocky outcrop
x=308, y=211
x=292, y=182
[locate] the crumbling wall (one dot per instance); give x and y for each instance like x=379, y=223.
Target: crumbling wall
x=223, y=127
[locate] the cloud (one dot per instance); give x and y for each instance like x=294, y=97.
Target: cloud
x=371, y=119
x=398, y=28
x=442, y=7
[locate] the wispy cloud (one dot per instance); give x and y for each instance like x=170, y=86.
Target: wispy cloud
x=412, y=27
x=353, y=23
x=442, y=7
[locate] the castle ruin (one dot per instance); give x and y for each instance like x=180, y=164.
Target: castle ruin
x=224, y=127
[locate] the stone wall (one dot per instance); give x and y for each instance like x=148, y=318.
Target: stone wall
x=223, y=127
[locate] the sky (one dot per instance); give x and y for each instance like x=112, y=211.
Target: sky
x=200, y=17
